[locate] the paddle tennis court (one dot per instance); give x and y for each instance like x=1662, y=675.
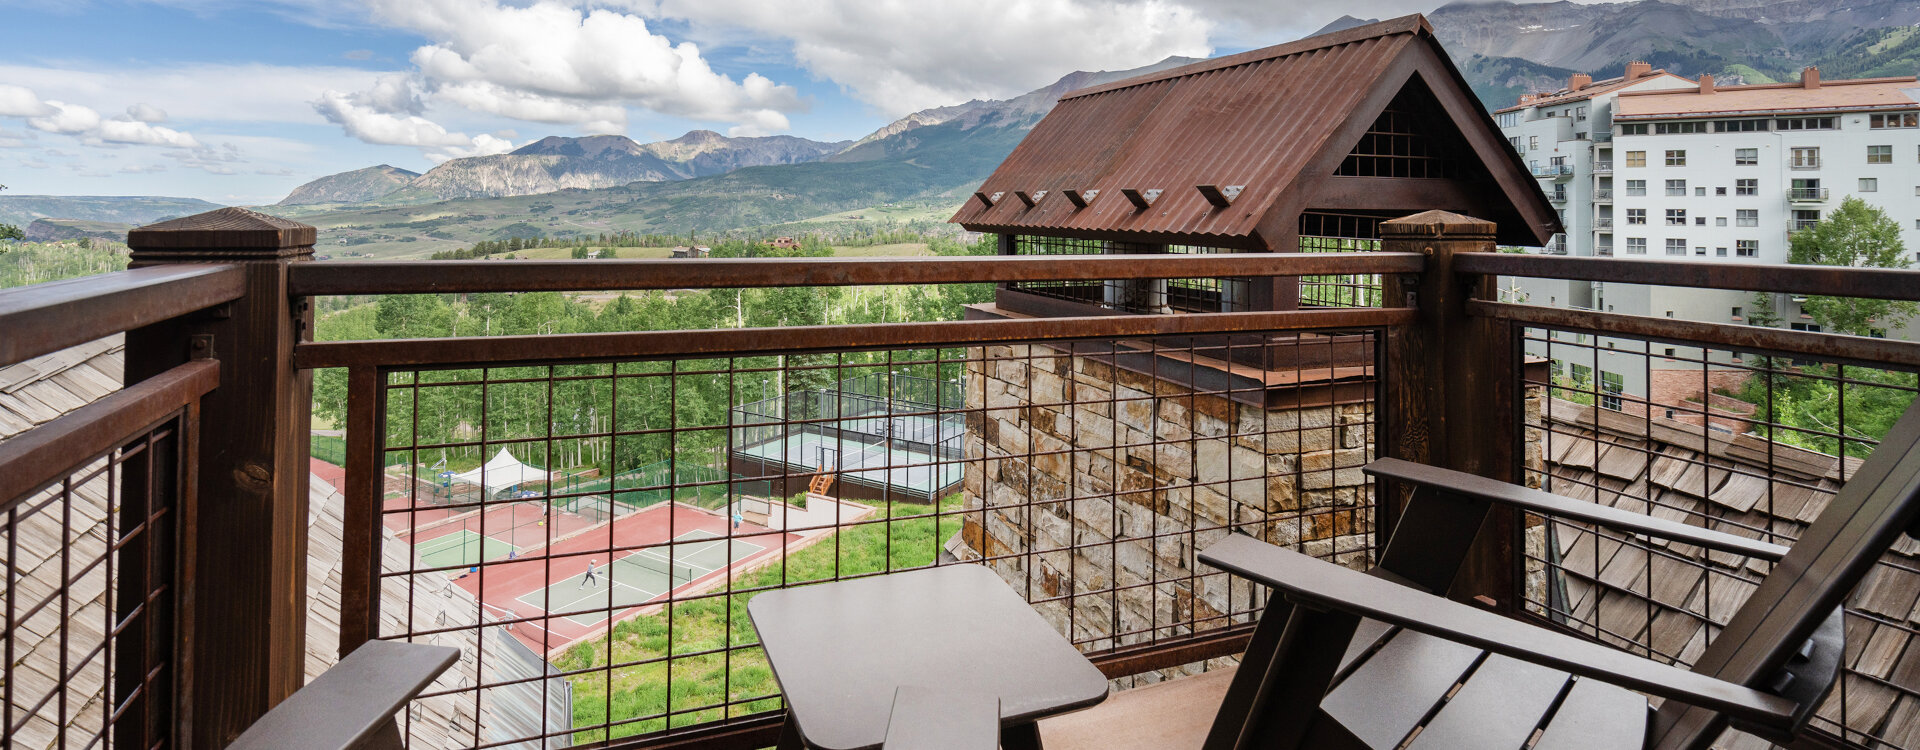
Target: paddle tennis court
x=462, y=547
x=640, y=576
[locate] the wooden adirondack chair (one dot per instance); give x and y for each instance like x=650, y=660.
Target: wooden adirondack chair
x=1342, y=658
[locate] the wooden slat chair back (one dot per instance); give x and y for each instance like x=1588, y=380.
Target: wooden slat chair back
x=1342, y=659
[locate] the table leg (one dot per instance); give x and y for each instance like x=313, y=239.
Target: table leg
x=1020, y=737
x=790, y=735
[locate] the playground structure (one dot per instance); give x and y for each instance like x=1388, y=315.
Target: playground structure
x=884, y=436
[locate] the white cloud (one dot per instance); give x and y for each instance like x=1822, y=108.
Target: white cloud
x=66, y=119
x=551, y=62
x=143, y=169
x=195, y=92
x=134, y=131
x=20, y=101
x=363, y=117
x=905, y=56
x=146, y=113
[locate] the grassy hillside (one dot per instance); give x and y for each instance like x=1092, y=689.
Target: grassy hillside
x=21, y=210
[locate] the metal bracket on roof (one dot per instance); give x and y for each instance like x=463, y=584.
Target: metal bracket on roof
x=986, y=200
x=1220, y=197
x=1140, y=200
x=1027, y=199
x=1079, y=199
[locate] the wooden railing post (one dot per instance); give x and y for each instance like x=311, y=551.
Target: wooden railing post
x=242, y=588
x=1450, y=388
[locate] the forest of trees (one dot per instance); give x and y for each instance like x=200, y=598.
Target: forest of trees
x=696, y=395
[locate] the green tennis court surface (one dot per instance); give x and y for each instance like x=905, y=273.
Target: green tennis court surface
x=640, y=576
x=461, y=547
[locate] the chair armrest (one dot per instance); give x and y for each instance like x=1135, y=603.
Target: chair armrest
x=1547, y=503
x=350, y=704
x=1324, y=585
x=926, y=718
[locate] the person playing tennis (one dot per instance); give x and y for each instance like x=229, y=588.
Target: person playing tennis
x=591, y=575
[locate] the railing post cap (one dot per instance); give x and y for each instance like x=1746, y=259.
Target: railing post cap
x=1438, y=224
x=227, y=233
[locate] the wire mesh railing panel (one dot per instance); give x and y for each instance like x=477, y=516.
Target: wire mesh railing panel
x=1135, y=295
x=1086, y=472
x=1348, y=290
x=1737, y=442
x=88, y=601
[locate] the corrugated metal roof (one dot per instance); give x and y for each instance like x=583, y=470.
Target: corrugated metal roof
x=1255, y=119
x=1830, y=96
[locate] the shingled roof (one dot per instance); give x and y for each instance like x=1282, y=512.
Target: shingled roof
x=1633, y=592
x=1280, y=125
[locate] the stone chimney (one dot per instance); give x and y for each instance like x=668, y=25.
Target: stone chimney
x=1810, y=77
x=1638, y=69
x=1579, y=81
x=1706, y=83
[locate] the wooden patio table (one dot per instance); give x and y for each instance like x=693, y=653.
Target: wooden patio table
x=841, y=649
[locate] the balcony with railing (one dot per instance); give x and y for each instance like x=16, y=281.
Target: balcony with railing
x=1603, y=195
x=1556, y=171
x=1807, y=195
x=1603, y=167
x=1603, y=223
x=171, y=572
x=1804, y=162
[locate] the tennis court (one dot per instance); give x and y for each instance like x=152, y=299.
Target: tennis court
x=462, y=547
x=879, y=465
x=641, y=576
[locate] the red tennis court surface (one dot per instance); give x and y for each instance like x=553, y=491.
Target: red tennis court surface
x=502, y=584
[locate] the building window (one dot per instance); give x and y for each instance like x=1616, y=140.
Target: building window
x=1676, y=157
x=1676, y=217
x=1746, y=187
x=1804, y=219
x=1869, y=185
x=1533, y=142
x=1699, y=221
x=1636, y=158
x=1700, y=192
x=1677, y=187
x=1636, y=246
x=1639, y=187
x=1719, y=221
x=1680, y=128
x=1879, y=154
x=1719, y=192
x=1720, y=252
x=1638, y=128
x=1746, y=249
x=1746, y=217
x=1809, y=327
x=1895, y=120
x=1739, y=126
x=1611, y=386
x=1806, y=123
x=1696, y=251
x=1636, y=216
x=1746, y=157
x=1676, y=247
x=1805, y=157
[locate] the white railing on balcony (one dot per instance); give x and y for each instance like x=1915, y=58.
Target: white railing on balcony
x=1809, y=194
x=1603, y=167
x=1603, y=194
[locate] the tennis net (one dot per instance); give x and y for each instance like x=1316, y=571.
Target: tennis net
x=678, y=572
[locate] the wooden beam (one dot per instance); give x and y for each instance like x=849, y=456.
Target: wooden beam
x=1395, y=194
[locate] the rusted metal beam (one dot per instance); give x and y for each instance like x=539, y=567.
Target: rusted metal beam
x=1876, y=283
x=48, y=317
x=753, y=342
x=1757, y=339
x=50, y=451
x=1211, y=644
x=454, y=276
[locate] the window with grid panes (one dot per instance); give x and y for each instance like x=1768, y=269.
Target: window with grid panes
x=1636, y=216
x=1746, y=157
x=1636, y=158
x=1746, y=187
x=1676, y=217
x=1677, y=187
x=1879, y=154
x=1747, y=217
x=1636, y=246
x=1676, y=247
x=1676, y=157
x=1639, y=187
x=1746, y=248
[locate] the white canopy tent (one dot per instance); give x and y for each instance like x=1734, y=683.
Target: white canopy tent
x=502, y=472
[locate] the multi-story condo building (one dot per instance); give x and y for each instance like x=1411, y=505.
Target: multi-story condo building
x=1656, y=166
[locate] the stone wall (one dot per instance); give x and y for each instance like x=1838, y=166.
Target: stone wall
x=1090, y=487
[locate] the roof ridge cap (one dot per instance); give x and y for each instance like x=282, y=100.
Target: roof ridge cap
x=1409, y=24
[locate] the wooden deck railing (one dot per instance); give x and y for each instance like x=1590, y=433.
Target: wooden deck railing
x=1442, y=374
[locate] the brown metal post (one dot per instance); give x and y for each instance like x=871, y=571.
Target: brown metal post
x=1450, y=387
x=243, y=574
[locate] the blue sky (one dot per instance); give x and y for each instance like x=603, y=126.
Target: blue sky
x=239, y=101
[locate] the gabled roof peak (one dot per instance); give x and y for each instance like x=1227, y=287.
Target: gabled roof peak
x=1410, y=24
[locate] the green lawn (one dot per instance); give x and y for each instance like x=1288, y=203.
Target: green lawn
x=701, y=681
